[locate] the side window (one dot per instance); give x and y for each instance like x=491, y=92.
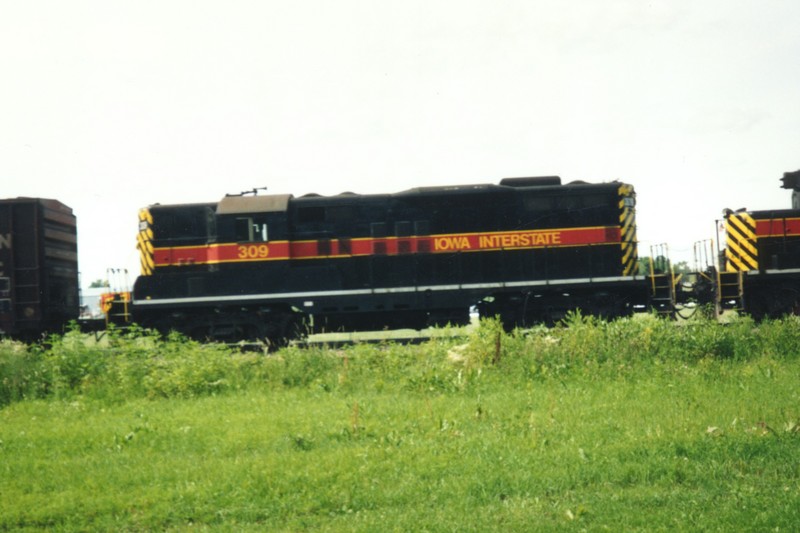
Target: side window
x=183, y=223
x=244, y=229
x=248, y=230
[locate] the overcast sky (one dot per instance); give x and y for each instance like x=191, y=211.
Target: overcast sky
x=110, y=106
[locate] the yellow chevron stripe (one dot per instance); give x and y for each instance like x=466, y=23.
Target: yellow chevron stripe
x=742, y=245
x=742, y=231
x=629, y=268
x=145, y=216
x=733, y=264
x=627, y=222
x=628, y=257
x=627, y=234
x=750, y=221
x=741, y=225
x=147, y=268
x=742, y=261
x=627, y=252
x=741, y=250
x=144, y=242
x=741, y=236
x=625, y=215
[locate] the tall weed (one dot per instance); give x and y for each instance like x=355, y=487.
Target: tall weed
x=596, y=347
x=21, y=374
x=138, y=363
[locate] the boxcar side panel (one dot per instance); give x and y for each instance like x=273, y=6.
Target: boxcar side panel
x=38, y=266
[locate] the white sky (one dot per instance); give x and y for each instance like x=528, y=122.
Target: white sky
x=110, y=106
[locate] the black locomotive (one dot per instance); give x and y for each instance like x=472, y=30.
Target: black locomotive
x=254, y=267
x=760, y=266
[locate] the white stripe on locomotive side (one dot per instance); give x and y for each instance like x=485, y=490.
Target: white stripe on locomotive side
x=386, y=290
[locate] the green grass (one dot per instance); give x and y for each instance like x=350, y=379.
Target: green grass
x=622, y=426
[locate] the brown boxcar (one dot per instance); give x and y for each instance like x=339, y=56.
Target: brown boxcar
x=38, y=267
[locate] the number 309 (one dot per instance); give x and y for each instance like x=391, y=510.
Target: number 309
x=259, y=251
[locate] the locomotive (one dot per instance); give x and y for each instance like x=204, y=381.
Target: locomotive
x=262, y=267
x=760, y=266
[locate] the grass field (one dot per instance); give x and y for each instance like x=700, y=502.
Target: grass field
x=622, y=426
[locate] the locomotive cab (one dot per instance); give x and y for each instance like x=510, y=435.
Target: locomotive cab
x=252, y=219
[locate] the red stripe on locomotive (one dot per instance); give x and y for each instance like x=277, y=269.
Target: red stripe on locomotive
x=778, y=227
x=312, y=249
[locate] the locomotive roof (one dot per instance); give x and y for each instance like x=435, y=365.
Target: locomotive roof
x=550, y=183
x=271, y=203
x=276, y=203
x=506, y=186
x=773, y=213
x=464, y=189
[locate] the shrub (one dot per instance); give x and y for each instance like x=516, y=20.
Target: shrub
x=21, y=373
x=138, y=363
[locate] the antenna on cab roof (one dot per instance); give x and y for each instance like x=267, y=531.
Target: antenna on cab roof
x=254, y=192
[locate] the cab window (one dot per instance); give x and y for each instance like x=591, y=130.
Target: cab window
x=249, y=230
